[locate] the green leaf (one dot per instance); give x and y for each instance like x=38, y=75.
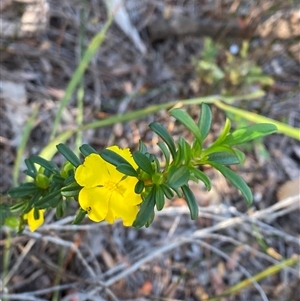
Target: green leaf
x=200, y=175
x=205, y=119
x=164, y=135
x=23, y=190
x=33, y=200
x=150, y=219
x=187, y=152
x=165, y=151
x=167, y=191
x=142, y=147
x=223, y=134
x=71, y=190
x=36, y=213
x=159, y=198
x=196, y=149
x=51, y=203
x=45, y=200
x=191, y=201
x=179, y=158
x=68, y=154
x=113, y=158
x=19, y=206
x=127, y=169
x=58, y=179
x=236, y=180
x=240, y=155
x=48, y=165
x=223, y=158
x=146, y=210
x=139, y=187
x=178, y=192
x=80, y=215
x=31, y=169
x=69, y=180
x=249, y=133
x=184, y=118
x=178, y=176
x=86, y=150
x=184, y=153
x=60, y=209
x=143, y=162
x=217, y=149
x=5, y=212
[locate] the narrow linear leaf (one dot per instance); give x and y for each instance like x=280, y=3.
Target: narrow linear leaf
x=143, y=162
x=205, y=119
x=179, y=159
x=249, y=133
x=68, y=154
x=150, y=219
x=178, y=176
x=165, y=151
x=142, y=147
x=50, y=166
x=139, y=187
x=52, y=203
x=200, y=175
x=167, y=191
x=240, y=155
x=236, y=180
x=191, y=201
x=58, y=179
x=31, y=169
x=113, y=158
x=36, y=214
x=71, y=190
x=86, y=150
x=127, y=169
x=159, y=198
x=165, y=136
x=224, y=158
x=60, y=209
x=23, y=190
x=33, y=200
x=282, y=127
x=217, y=149
x=146, y=210
x=184, y=118
x=224, y=133
x=47, y=198
x=186, y=151
x=80, y=215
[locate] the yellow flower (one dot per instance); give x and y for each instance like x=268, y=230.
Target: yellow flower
x=33, y=223
x=107, y=194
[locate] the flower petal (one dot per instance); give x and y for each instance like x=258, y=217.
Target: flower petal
x=129, y=195
x=125, y=153
x=120, y=209
x=95, y=202
x=92, y=172
x=33, y=223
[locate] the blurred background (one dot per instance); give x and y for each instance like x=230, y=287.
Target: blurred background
x=154, y=52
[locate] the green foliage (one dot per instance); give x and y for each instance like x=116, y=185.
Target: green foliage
x=52, y=186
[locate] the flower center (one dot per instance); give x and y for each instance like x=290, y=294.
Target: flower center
x=110, y=185
x=114, y=187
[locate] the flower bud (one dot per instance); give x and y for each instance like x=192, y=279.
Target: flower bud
x=42, y=181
